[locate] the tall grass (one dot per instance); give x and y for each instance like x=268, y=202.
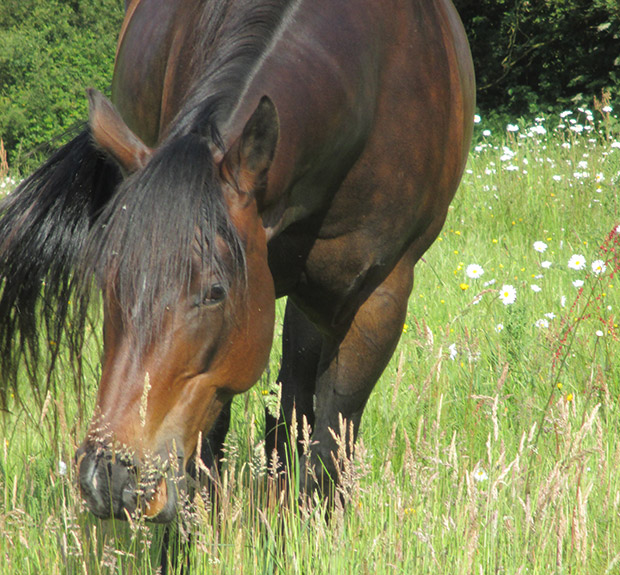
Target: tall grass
x=490, y=444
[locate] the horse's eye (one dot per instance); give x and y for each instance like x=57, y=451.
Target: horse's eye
x=214, y=294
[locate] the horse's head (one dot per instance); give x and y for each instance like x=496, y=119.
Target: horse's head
x=181, y=257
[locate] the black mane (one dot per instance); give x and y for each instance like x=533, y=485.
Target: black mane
x=44, y=224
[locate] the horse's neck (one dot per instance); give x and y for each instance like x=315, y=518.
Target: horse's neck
x=147, y=79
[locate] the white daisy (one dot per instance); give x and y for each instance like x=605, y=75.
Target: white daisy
x=499, y=327
x=474, y=271
x=508, y=294
x=480, y=475
x=598, y=267
x=540, y=246
x=577, y=262
x=546, y=264
x=542, y=323
x=535, y=288
x=578, y=283
x=453, y=351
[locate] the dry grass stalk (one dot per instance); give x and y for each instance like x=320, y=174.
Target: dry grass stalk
x=4, y=165
x=560, y=534
x=145, y=398
x=552, y=487
x=293, y=431
x=343, y=458
x=472, y=526
x=453, y=461
x=399, y=378
x=579, y=523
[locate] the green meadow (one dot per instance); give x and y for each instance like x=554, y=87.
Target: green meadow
x=491, y=444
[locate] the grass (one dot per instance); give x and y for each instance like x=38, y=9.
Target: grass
x=490, y=444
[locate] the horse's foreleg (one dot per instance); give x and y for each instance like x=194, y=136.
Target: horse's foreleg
x=348, y=372
x=301, y=350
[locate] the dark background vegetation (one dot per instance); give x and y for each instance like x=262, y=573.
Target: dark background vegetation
x=534, y=56
x=531, y=57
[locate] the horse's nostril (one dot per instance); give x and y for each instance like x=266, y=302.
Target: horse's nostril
x=118, y=487
x=107, y=487
x=129, y=498
x=93, y=486
x=122, y=483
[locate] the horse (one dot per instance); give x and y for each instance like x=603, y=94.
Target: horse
x=251, y=150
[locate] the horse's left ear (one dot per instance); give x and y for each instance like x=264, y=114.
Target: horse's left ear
x=112, y=135
x=246, y=163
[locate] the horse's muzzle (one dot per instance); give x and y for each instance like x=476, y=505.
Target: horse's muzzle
x=116, y=487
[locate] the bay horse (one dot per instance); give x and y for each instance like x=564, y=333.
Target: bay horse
x=252, y=149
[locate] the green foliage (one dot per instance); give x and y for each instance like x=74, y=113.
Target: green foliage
x=540, y=54
x=50, y=52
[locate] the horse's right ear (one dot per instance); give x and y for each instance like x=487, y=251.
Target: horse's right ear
x=114, y=137
x=249, y=158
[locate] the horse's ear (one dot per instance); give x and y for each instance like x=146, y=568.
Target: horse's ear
x=114, y=137
x=246, y=163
